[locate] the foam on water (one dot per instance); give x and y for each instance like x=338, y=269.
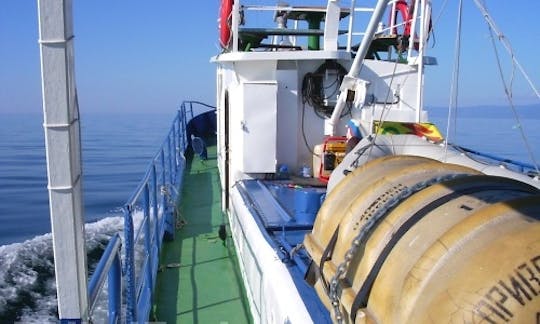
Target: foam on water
x=27, y=283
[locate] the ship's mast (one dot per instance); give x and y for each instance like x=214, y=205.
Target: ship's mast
x=62, y=142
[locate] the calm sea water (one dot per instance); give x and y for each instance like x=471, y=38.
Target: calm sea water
x=494, y=130
x=116, y=151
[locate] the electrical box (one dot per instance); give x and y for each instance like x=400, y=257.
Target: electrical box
x=254, y=126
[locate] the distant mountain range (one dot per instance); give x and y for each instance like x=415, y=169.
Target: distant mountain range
x=523, y=111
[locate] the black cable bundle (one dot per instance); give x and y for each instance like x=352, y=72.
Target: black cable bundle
x=313, y=90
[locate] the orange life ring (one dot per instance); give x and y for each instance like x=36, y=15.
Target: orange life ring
x=224, y=23
x=406, y=11
x=403, y=8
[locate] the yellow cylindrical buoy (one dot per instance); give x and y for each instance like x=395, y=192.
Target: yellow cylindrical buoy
x=412, y=240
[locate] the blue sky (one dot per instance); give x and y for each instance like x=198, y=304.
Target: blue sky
x=144, y=56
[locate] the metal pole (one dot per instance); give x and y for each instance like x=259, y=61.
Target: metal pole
x=147, y=236
x=357, y=63
x=62, y=143
x=171, y=156
x=351, y=25
x=425, y=12
x=115, y=290
x=180, y=132
x=413, y=29
x=368, y=37
x=234, y=25
x=155, y=205
x=131, y=298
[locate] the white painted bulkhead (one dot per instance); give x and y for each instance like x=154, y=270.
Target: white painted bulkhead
x=263, y=122
x=284, y=129
x=264, y=115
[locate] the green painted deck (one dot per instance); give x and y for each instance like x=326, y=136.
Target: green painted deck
x=200, y=281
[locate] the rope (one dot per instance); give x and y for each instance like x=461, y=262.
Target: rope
x=508, y=88
x=506, y=44
x=454, y=88
x=385, y=107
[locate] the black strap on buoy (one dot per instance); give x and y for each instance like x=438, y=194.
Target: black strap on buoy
x=327, y=255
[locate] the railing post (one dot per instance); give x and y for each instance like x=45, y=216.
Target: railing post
x=174, y=159
x=176, y=144
x=162, y=160
x=168, y=223
x=171, y=156
x=147, y=237
x=163, y=176
x=109, y=267
x=155, y=206
x=131, y=298
x=148, y=194
x=115, y=290
x=180, y=131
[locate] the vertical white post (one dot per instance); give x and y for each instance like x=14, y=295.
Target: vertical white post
x=294, y=37
x=351, y=25
x=425, y=18
x=393, y=18
x=235, y=24
x=354, y=71
x=331, y=25
x=412, y=36
x=62, y=142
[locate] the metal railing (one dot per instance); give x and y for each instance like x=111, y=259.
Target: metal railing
x=110, y=266
x=518, y=166
x=155, y=198
x=352, y=23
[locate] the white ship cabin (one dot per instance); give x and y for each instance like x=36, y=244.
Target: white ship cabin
x=280, y=79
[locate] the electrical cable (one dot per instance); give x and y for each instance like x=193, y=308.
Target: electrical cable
x=303, y=130
x=313, y=89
